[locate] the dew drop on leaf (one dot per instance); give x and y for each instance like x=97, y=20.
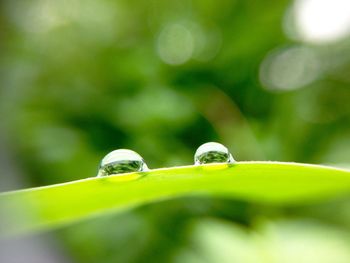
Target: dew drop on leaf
x=212, y=152
x=121, y=161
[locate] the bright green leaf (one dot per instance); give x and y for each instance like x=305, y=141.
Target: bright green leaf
x=262, y=182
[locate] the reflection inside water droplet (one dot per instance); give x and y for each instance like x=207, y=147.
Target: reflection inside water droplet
x=121, y=161
x=212, y=152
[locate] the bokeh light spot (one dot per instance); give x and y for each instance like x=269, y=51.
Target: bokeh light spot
x=320, y=21
x=175, y=44
x=289, y=68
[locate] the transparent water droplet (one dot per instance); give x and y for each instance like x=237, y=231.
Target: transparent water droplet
x=212, y=152
x=121, y=161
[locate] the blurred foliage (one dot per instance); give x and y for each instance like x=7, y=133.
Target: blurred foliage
x=81, y=78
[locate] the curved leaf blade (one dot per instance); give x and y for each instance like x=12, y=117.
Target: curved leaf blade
x=264, y=182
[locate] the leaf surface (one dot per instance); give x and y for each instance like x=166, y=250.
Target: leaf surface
x=260, y=182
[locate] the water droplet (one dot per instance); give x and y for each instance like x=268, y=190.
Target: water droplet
x=121, y=161
x=212, y=152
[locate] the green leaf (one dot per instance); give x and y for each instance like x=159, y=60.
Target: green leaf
x=260, y=182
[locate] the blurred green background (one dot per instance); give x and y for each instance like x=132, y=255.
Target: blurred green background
x=268, y=79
